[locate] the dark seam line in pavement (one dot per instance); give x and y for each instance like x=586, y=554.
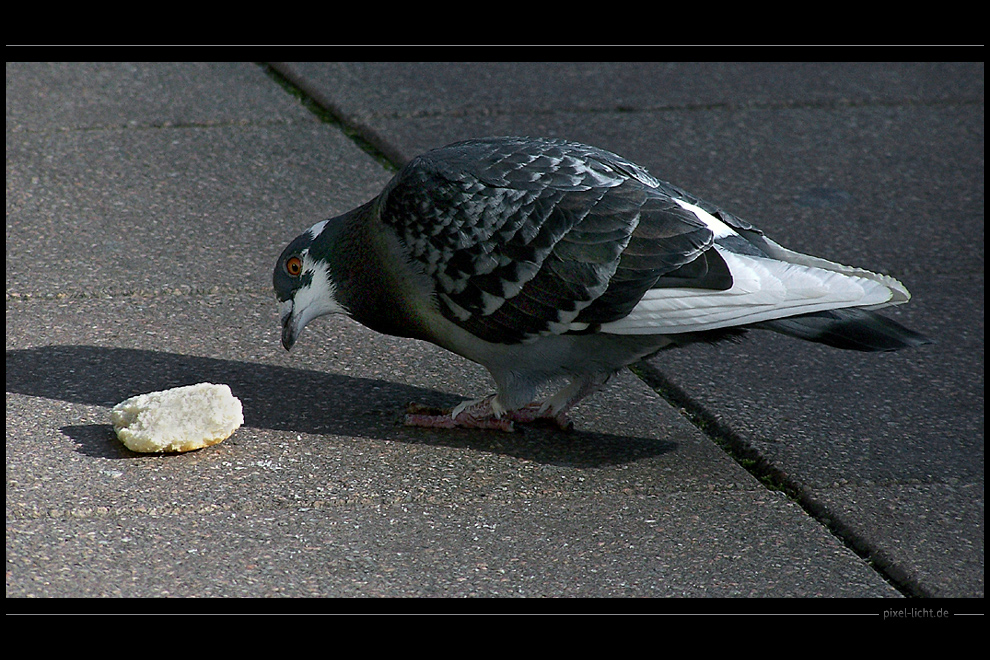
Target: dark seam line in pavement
x=836, y=104
x=329, y=116
x=182, y=290
x=775, y=479
x=357, y=134
x=148, y=126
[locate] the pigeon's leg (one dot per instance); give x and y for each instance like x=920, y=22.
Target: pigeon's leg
x=488, y=413
x=554, y=409
x=478, y=414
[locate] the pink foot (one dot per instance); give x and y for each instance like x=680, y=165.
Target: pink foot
x=481, y=416
x=530, y=414
x=439, y=418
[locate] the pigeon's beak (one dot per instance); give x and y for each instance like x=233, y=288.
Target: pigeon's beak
x=289, y=330
x=306, y=304
x=288, y=336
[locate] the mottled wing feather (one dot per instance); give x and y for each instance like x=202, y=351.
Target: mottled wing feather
x=523, y=238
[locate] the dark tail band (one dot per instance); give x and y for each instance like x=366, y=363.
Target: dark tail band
x=851, y=329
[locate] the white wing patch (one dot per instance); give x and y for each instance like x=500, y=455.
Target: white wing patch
x=899, y=292
x=762, y=290
x=718, y=228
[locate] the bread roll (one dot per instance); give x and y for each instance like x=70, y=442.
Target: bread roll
x=179, y=419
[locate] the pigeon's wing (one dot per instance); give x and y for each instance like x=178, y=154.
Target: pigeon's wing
x=525, y=238
x=757, y=283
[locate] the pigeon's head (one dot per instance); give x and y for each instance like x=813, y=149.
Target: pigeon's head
x=303, y=282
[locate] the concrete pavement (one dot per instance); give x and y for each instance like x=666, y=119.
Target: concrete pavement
x=146, y=204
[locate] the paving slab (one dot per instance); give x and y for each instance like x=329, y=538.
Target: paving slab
x=874, y=164
x=323, y=492
x=112, y=200
x=385, y=100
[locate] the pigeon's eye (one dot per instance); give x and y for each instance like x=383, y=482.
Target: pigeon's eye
x=294, y=266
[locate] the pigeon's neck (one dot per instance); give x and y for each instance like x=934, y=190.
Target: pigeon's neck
x=375, y=285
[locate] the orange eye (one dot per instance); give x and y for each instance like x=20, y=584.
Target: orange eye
x=294, y=266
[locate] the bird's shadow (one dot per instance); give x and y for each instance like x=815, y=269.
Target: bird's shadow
x=285, y=399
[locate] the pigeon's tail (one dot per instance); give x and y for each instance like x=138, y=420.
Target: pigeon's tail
x=852, y=329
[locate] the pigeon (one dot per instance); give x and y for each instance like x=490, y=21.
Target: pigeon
x=546, y=260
